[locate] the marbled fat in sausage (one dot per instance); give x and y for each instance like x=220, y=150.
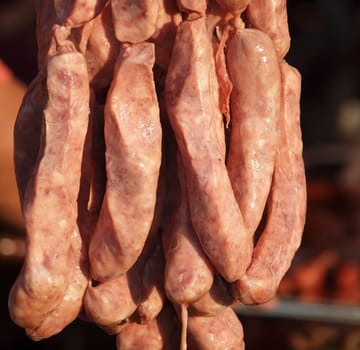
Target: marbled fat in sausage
x=255, y=107
x=134, y=20
x=50, y=201
x=188, y=272
x=133, y=156
x=218, y=332
x=192, y=109
x=281, y=237
x=102, y=50
x=77, y=12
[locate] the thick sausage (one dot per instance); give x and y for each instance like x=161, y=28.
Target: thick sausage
x=167, y=21
x=255, y=106
x=271, y=18
x=27, y=133
x=134, y=20
x=153, y=293
x=192, y=109
x=68, y=309
x=218, y=332
x=110, y=304
x=281, y=237
x=133, y=157
x=50, y=200
x=77, y=12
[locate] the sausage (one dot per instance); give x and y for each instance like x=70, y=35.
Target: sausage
x=69, y=308
x=271, y=18
x=159, y=334
x=153, y=293
x=111, y=304
x=77, y=12
x=218, y=332
x=281, y=237
x=134, y=20
x=133, y=156
x=54, y=185
x=214, y=301
x=167, y=21
x=255, y=106
x=27, y=133
x=214, y=212
x=102, y=50
x=188, y=272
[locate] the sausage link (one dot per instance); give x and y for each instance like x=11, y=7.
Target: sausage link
x=27, y=133
x=134, y=20
x=218, y=332
x=255, y=106
x=159, y=334
x=77, y=12
x=193, y=109
x=110, y=304
x=271, y=18
x=69, y=308
x=188, y=273
x=133, y=157
x=287, y=203
x=50, y=200
x=102, y=50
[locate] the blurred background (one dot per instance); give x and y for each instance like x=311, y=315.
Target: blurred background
x=318, y=305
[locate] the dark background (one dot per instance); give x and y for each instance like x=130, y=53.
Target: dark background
x=325, y=47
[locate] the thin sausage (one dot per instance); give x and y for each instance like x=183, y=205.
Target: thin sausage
x=54, y=185
x=271, y=18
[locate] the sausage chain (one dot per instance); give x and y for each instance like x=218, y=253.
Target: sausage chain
x=159, y=138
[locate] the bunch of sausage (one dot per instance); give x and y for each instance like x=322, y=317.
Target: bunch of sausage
x=158, y=156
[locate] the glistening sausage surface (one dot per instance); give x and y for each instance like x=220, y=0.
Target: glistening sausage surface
x=55, y=184
x=133, y=156
x=271, y=18
x=287, y=203
x=255, y=107
x=192, y=112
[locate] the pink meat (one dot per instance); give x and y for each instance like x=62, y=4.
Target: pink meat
x=102, y=50
x=287, y=203
x=255, y=107
x=133, y=156
x=159, y=334
x=77, y=12
x=218, y=332
x=271, y=18
x=193, y=108
x=188, y=273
